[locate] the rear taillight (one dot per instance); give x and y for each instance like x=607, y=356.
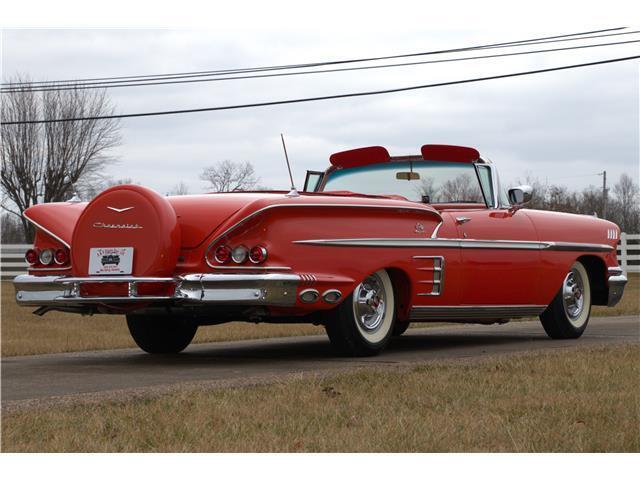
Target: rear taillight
x=61, y=256
x=223, y=254
x=46, y=256
x=31, y=256
x=239, y=254
x=258, y=254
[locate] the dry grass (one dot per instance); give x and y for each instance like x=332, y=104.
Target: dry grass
x=27, y=334
x=630, y=303
x=582, y=400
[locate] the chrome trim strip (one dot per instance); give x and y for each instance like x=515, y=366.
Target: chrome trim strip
x=311, y=205
x=457, y=243
x=470, y=312
x=580, y=247
x=49, y=269
x=37, y=225
x=435, y=231
x=112, y=279
x=261, y=269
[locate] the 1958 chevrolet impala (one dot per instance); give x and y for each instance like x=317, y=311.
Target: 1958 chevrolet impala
x=373, y=243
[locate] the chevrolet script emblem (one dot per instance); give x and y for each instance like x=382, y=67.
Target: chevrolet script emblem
x=119, y=210
x=127, y=226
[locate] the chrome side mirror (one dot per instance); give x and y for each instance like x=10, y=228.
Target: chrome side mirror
x=520, y=196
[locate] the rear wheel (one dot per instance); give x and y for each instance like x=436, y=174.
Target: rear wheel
x=363, y=323
x=568, y=314
x=161, y=333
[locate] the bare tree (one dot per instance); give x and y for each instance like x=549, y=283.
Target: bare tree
x=180, y=188
x=11, y=229
x=228, y=176
x=463, y=188
x=623, y=208
x=92, y=185
x=42, y=162
x=626, y=192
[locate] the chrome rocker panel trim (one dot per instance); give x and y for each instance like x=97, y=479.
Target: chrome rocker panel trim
x=268, y=289
x=616, y=283
x=474, y=312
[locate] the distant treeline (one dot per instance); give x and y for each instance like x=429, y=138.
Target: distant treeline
x=622, y=208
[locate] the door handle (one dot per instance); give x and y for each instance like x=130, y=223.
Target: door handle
x=460, y=220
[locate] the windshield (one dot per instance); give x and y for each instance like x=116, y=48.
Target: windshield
x=430, y=182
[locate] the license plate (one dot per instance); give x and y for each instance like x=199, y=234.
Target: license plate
x=111, y=261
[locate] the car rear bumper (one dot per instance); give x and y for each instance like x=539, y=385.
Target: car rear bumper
x=616, y=282
x=269, y=289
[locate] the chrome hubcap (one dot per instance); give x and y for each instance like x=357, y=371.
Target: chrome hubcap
x=369, y=300
x=573, y=295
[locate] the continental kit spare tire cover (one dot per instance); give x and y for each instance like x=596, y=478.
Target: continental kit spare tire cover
x=134, y=220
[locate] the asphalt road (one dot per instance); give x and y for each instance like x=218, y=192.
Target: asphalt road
x=64, y=377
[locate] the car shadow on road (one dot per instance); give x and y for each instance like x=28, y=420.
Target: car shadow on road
x=301, y=351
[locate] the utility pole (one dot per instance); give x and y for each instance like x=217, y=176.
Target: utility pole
x=604, y=194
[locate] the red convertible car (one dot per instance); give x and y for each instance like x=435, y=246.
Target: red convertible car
x=372, y=243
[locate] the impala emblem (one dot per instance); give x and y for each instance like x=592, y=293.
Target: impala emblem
x=119, y=210
x=419, y=228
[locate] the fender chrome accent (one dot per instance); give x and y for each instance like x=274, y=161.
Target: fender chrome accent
x=457, y=243
x=471, y=312
x=120, y=210
x=437, y=282
x=616, y=283
x=48, y=232
x=435, y=231
x=310, y=205
x=275, y=289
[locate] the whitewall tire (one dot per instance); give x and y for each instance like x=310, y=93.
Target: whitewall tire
x=568, y=314
x=363, y=323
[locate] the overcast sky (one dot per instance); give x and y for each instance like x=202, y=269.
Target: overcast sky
x=563, y=126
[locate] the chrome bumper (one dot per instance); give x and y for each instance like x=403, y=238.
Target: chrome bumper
x=274, y=289
x=616, y=283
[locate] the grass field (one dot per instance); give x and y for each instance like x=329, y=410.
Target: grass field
x=580, y=400
x=23, y=333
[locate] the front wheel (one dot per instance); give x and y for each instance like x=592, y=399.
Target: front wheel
x=161, y=333
x=568, y=314
x=363, y=323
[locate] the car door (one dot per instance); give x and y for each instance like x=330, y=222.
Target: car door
x=500, y=253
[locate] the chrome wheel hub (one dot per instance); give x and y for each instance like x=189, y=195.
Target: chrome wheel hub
x=369, y=300
x=572, y=295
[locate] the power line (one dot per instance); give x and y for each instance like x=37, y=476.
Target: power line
x=269, y=75
x=332, y=62
x=327, y=97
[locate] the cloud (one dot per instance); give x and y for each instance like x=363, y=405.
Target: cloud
x=561, y=125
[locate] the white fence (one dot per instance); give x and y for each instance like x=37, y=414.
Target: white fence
x=13, y=263
x=629, y=252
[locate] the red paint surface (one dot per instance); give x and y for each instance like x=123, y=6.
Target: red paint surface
x=360, y=157
x=178, y=230
x=449, y=153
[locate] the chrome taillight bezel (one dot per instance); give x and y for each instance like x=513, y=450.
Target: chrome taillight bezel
x=45, y=257
x=263, y=251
